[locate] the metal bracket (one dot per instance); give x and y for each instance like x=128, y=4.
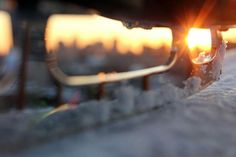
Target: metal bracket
x=65, y=79
x=78, y=80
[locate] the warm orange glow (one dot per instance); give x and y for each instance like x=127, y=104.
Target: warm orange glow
x=229, y=35
x=200, y=43
x=6, y=41
x=87, y=30
x=199, y=39
x=101, y=76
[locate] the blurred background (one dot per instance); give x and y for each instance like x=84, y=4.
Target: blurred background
x=84, y=42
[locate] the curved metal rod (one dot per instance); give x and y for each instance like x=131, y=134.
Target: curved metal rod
x=104, y=78
x=10, y=71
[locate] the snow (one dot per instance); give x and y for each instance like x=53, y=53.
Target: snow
x=217, y=63
x=200, y=125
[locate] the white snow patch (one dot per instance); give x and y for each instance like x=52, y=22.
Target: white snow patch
x=201, y=125
x=197, y=126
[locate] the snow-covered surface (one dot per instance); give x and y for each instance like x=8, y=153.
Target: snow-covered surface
x=201, y=125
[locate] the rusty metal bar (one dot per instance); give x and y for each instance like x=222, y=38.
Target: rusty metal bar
x=145, y=83
x=101, y=91
x=59, y=93
x=20, y=103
